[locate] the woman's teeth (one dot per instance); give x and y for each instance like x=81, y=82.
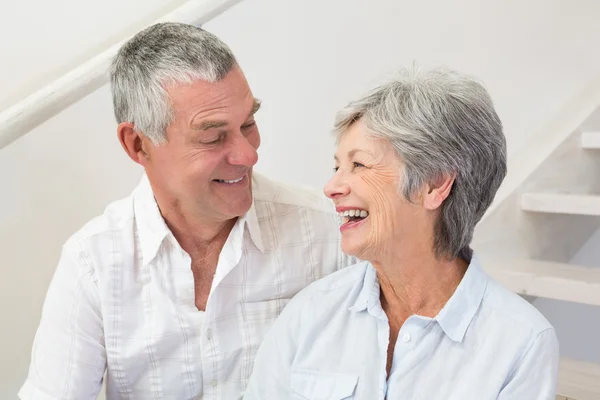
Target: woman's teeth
x=230, y=181
x=354, y=213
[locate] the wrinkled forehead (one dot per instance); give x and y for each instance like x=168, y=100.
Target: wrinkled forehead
x=231, y=94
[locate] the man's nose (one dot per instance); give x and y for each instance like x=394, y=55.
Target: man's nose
x=242, y=152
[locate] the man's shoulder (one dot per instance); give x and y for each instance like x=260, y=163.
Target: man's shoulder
x=116, y=218
x=284, y=196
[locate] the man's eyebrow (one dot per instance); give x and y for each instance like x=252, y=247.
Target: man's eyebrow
x=206, y=125
x=255, y=107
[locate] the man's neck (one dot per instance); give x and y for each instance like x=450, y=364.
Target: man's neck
x=194, y=233
x=198, y=236
x=203, y=240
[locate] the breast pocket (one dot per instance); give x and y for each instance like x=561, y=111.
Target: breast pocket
x=255, y=319
x=316, y=385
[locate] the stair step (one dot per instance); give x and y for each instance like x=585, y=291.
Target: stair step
x=590, y=140
x=548, y=279
x=578, y=380
x=558, y=203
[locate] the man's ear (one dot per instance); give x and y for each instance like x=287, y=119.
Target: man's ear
x=133, y=142
x=437, y=191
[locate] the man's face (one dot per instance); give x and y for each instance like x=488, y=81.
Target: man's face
x=205, y=168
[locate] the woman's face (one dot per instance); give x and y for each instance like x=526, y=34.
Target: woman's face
x=376, y=218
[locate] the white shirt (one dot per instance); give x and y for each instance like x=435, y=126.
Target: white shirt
x=122, y=298
x=331, y=343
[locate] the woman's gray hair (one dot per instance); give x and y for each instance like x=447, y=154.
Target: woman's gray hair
x=162, y=55
x=439, y=122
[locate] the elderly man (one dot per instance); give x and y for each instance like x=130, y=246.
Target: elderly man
x=172, y=289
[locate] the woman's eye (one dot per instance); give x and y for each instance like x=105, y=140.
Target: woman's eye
x=357, y=164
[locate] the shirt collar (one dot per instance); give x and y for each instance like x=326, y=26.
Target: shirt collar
x=454, y=318
x=152, y=229
x=459, y=311
x=251, y=221
x=368, y=297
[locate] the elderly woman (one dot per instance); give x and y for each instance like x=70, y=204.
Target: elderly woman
x=418, y=162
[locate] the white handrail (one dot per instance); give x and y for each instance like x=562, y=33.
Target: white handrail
x=30, y=112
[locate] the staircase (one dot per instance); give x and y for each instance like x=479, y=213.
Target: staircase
x=526, y=243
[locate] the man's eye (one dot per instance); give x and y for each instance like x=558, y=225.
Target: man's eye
x=249, y=125
x=219, y=139
x=357, y=164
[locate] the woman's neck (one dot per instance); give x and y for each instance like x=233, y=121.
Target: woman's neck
x=417, y=282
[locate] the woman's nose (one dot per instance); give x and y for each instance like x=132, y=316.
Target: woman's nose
x=336, y=187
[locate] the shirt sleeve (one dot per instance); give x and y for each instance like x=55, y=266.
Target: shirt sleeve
x=271, y=374
x=535, y=377
x=68, y=358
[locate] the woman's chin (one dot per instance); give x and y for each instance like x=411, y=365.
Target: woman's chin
x=353, y=247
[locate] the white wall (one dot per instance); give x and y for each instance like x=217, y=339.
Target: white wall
x=304, y=58
x=42, y=40
x=589, y=254
x=307, y=58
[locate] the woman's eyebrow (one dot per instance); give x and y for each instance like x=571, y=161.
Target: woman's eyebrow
x=352, y=152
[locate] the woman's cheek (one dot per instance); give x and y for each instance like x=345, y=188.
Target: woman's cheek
x=381, y=210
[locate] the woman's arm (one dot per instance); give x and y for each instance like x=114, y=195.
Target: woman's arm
x=271, y=374
x=536, y=374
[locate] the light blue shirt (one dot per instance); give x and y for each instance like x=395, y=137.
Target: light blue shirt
x=331, y=341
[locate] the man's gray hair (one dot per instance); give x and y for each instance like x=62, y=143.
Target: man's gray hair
x=159, y=56
x=439, y=122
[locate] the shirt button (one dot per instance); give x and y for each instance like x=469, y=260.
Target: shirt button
x=406, y=338
x=214, y=382
x=209, y=334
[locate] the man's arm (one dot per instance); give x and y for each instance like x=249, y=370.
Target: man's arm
x=535, y=376
x=68, y=358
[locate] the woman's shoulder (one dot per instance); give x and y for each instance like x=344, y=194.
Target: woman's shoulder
x=513, y=309
x=340, y=279
x=330, y=292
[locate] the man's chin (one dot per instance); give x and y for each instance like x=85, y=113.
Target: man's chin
x=239, y=208
x=236, y=199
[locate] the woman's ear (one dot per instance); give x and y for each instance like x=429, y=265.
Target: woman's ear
x=437, y=191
